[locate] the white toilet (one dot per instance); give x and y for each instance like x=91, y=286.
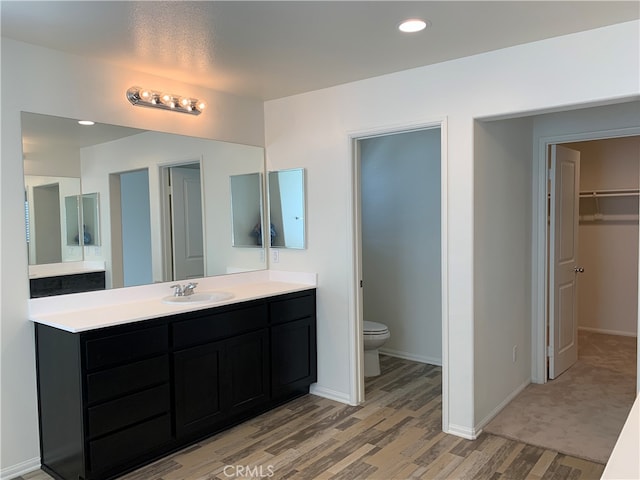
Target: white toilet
x=375, y=335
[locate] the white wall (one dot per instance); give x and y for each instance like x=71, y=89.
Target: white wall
x=608, y=248
x=312, y=130
x=43, y=81
x=502, y=259
x=401, y=251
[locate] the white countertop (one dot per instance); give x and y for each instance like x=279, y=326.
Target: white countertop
x=65, y=268
x=91, y=310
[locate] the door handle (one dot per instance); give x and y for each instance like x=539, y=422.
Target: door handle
x=578, y=269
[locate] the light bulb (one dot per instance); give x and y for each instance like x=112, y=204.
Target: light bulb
x=412, y=25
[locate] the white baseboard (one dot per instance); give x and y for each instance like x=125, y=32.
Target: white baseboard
x=464, y=432
x=20, y=469
x=324, y=392
x=480, y=425
x=608, y=332
x=411, y=356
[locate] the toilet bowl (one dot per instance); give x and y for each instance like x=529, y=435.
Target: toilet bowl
x=375, y=335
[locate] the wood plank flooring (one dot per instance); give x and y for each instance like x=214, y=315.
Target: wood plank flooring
x=395, y=434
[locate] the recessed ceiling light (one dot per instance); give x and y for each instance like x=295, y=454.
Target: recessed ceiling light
x=86, y=122
x=412, y=25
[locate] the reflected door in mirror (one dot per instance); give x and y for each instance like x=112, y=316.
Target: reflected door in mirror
x=286, y=208
x=246, y=210
x=46, y=224
x=186, y=222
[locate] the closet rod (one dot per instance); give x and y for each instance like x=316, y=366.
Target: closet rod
x=611, y=193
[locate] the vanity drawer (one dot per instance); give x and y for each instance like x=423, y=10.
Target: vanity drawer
x=112, y=450
x=292, y=308
x=118, y=381
x=128, y=410
x=219, y=325
x=125, y=347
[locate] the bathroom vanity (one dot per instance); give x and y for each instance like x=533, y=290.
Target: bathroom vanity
x=115, y=397
x=65, y=278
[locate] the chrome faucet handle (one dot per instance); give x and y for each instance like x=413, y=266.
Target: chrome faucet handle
x=189, y=288
x=178, y=292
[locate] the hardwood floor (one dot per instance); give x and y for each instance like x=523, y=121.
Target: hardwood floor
x=395, y=434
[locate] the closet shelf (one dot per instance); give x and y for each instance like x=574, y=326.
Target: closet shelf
x=623, y=210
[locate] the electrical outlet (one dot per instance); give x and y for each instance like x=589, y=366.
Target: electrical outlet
x=515, y=353
x=275, y=255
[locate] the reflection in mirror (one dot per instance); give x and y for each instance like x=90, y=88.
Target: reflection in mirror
x=99, y=157
x=246, y=210
x=286, y=208
x=183, y=219
x=83, y=224
x=48, y=221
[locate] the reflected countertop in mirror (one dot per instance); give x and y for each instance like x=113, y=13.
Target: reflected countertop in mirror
x=64, y=159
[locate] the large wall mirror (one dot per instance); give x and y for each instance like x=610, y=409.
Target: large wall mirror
x=119, y=192
x=287, y=208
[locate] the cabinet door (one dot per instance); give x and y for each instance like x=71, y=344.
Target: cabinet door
x=247, y=363
x=198, y=388
x=293, y=357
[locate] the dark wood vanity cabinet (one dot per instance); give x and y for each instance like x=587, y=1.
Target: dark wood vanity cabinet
x=221, y=367
x=114, y=399
x=66, y=284
x=293, y=336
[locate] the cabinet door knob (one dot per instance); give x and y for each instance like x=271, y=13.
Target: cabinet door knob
x=578, y=269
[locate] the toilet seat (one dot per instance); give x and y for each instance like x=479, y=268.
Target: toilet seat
x=375, y=328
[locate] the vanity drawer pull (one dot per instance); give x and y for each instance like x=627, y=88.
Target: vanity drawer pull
x=125, y=347
x=109, y=384
x=125, y=411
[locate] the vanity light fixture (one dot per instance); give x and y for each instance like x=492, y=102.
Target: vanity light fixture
x=413, y=25
x=166, y=101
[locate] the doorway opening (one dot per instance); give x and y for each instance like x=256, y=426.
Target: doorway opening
x=182, y=221
x=131, y=247
x=399, y=200
x=46, y=218
x=601, y=374
x=600, y=290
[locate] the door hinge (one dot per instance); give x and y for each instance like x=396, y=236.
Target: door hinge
x=360, y=283
x=549, y=351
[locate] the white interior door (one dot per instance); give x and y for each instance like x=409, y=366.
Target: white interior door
x=563, y=266
x=186, y=222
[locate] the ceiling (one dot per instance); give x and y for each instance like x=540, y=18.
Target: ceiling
x=44, y=133
x=268, y=50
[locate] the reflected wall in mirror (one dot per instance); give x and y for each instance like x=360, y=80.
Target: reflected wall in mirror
x=101, y=158
x=287, y=208
x=246, y=210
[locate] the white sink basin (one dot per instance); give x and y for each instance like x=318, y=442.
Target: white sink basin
x=198, y=298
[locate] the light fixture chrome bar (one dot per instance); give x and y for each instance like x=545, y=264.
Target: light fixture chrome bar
x=149, y=98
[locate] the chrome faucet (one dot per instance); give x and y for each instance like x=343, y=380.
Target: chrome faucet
x=183, y=291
